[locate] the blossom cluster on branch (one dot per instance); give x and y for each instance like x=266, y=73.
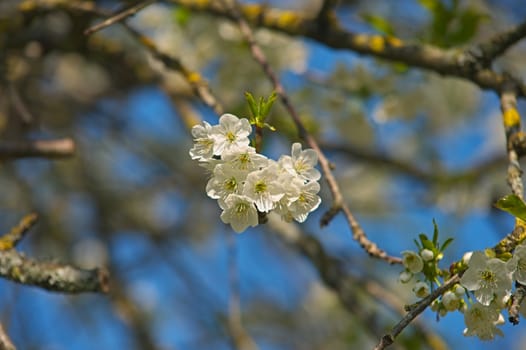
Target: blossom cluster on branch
x=245, y=182
x=486, y=283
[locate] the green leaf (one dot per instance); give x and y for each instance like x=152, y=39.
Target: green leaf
x=435, y=233
x=426, y=243
x=513, y=205
x=252, y=105
x=381, y=24
x=268, y=104
x=446, y=243
x=468, y=24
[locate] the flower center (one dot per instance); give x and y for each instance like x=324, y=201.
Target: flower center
x=231, y=184
x=230, y=136
x=488, y=277
x=300, y=166
x=241, y=207
x=260, y=186
x=244, y=160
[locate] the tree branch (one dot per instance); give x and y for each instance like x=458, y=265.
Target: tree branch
x=444, y=62
x=50, y=275
x=120, y=16
x=516, y=300
x=497, y=45
x=338, y=203
x=17, y=233
x=58, y=148
x=333, y=275
x=389, y=338
x=241, y=339
x=512, y=126
x=5, y=341
x=194, y=79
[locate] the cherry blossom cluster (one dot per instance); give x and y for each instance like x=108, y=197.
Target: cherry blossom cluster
x=245, y=182
x=488, y=279
x=491, y=281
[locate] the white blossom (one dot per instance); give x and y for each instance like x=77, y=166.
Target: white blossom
x=482, y=321
x=230, y=134
x=225, y=181
x=518, y=264
x=239, y=212
x=421, y=289
x=412, y=261
x=291, y=185
x=245, y=182
x=301, y=163
x=307, y=201
x=203, y=144
x=245, y=159
x=263, y=189
x=489, y=278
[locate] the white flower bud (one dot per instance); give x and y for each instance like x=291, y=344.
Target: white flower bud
x=442, y=312
x=405, y=276
x=466, y=257
x=427, y=254
x=450, y=301
x=421, y=289
x=459, y=291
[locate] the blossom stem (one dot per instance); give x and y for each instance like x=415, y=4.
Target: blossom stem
x=258, y=139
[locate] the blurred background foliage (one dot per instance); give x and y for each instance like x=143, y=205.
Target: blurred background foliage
x=408, y=146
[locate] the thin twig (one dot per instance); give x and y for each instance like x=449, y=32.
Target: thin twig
x=338, y=203
x=240, y=337
x=347, y=287
x=5, y=341
x=497, y=45
x=17, y=233
x=326, y=13
x=389, y=338
x=516, y=300
x=512, y=126
x=51, y=276
x=194, y=79
x=57, y=148
x=19, y=105
x=120, y=16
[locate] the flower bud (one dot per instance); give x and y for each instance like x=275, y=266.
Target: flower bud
x=466, y=257
x=459, y=291
x=450, y=301
x=427, y=254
